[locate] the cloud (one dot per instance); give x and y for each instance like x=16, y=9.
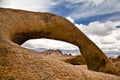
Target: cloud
x=118, y=37
x=79, y=1
x=70, y=19
x=89, y=8
x=105, y=35
x=108, y=40
x=97, y=2
x=32, y=5
x=97, y=28
x=49, y=44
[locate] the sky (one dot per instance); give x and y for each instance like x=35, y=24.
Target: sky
x=97, y=19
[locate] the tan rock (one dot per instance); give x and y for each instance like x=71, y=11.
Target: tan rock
x=17, y=26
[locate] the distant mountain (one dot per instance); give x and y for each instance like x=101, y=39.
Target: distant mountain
x=38, y=49
x=76, y=51
x=112, y=54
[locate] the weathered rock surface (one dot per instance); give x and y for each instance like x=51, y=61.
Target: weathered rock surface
x=17, y=26
x=33, y=66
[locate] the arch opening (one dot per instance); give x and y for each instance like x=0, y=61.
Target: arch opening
x=42, y=44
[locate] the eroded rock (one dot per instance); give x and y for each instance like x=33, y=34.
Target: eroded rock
x=17, y=26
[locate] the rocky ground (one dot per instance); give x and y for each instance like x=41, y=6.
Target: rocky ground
x=74, y=60
x=49, y=65
x=116, y=61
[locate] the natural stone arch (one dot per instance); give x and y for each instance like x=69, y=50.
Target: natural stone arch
x=17, y=26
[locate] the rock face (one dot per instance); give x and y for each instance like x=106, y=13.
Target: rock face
x=77, y=60
x=17, y=26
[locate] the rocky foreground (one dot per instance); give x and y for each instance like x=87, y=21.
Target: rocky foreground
x=49, y=65
x=79, y=63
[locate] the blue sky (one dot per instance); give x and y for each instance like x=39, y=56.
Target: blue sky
x=97, y=19
x=86, y=11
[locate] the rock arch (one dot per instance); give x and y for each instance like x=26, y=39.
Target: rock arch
x=17, y=26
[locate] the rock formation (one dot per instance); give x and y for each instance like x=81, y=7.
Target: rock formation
x=17, y=26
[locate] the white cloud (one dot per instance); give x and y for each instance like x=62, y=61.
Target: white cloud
x=49, y=44
x=105, y=35
x=33, y=5
x=97, y=28
x=94, y=7
x=70, y=19
x=97, y=2
x=108, y=40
